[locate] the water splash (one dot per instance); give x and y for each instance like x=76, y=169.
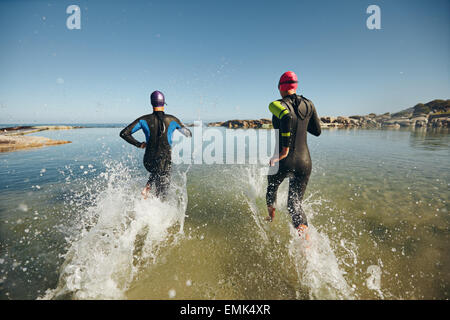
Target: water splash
x=373, y=282
x=120, y=233
x=317, y=266
x=254, y=189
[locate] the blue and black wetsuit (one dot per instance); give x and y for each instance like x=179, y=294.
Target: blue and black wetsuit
x=293, y=116
x=158, y=128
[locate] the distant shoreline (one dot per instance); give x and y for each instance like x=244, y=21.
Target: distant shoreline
x=434, y=114
x=362, y=122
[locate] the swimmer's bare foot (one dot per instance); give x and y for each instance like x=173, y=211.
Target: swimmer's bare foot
x=303, y=233
x=271, y=216
x=145, y=191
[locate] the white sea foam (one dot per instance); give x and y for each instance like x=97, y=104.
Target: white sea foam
x=317, y=266
x=373, y=282
x=255, y=189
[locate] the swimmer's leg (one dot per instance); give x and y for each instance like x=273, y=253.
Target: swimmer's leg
x=273, y=182
x=297, y=188
x=146, y=189
x=162, y=185
x=150, y=166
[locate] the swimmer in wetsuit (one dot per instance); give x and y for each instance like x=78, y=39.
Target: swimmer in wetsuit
x=293, y=116
x=158, y=128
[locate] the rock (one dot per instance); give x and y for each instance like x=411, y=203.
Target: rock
x=193, y=124
x=342, y=119
x=439, y=120
x=439, y=123
x=404, y=122
x=12, y=143
x=215, y=124
x=420, y=123
x=391, y=125
x=244, y=124
x=328, y=119
x=21, y=130
x=14, y=138
x=328, y=125
x=419, y=119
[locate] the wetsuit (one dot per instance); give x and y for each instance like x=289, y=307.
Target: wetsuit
x=294, y=116
x=158, y=128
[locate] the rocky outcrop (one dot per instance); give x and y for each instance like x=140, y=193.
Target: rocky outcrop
x=345, y=122
x=438, y=121
x=14, y=138
x=368, y=121
x=438, y=115
x=243, y=124
x=21, y=130
x=385, y=122
x=20, y=142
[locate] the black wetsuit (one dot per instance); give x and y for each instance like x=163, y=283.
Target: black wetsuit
x=158, y=128
x=294, y=116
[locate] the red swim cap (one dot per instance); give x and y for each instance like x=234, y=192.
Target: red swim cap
x=288, y=81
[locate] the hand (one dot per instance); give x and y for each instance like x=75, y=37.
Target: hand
x=284, y=153
x=273, y=161
x=143, y=145
x=185, y=131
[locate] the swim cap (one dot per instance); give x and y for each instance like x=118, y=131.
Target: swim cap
x=288, y=81
x=157, y=99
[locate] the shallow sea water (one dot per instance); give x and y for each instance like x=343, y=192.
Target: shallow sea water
x=74, y=226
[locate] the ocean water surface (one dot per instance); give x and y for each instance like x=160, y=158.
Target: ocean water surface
x=74, y=226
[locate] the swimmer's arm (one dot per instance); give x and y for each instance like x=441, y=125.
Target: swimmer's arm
x=314, y=123
x=183, y=129
x=281, y=120
x=285, y=130
x=283, y=115
x=284, y=153
x=127, y=132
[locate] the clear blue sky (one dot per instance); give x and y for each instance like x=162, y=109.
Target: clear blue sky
x=217, y=60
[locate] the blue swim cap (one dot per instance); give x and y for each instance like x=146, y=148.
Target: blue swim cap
x=157, y=99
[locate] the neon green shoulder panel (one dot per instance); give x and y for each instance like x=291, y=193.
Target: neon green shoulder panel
x=278, y=109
